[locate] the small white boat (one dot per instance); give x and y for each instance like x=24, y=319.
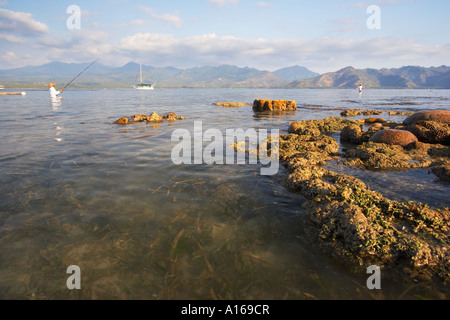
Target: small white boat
x=141, y=85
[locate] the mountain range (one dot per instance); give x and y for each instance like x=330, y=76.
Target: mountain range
x=410, y=77
x=225, y=76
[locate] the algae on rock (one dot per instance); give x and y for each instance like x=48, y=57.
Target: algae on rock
x=354, y=221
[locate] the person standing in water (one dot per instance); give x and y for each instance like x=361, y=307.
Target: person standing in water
x=53, y=92
x=360, y=88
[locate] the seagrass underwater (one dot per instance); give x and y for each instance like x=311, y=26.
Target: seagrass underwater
x=94, y=210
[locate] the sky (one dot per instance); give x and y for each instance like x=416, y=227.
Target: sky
x=323, y=36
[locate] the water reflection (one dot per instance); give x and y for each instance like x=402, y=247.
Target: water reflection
x=56, y=102
x=273, y=115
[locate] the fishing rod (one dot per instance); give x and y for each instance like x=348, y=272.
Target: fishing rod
x=79, y=75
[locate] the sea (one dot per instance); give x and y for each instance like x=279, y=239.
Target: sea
x=94, y=210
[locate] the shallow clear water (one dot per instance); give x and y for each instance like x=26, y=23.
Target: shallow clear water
x=78, y=190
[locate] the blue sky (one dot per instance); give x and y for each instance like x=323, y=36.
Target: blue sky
x=320, y=35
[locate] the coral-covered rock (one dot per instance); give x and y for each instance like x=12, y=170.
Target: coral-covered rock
x=274, y=105
x=394, y=137
x=172, y=117
x=351, y=113
x=351, y=133
x=372, y=112
x=140, y=118
x=154, y=117
x=442, y=171
x=328, y=125
x=431, y=115
x=431, y=132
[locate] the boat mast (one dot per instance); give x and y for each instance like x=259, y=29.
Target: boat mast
x=140, y=71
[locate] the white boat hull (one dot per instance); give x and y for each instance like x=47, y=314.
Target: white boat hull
x=144, y=88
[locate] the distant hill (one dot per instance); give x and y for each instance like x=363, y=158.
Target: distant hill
x=225, y=76
x=405, y=77
x=295, y=73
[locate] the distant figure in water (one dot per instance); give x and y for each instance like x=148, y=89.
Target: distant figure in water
x=360, y=88
x=53, y=92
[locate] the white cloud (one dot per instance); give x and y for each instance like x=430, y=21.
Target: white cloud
x=20, y=23
x=167, y=17
x=264, y=4
x=381, y=3
x=11, y=38
x=138, y=22
x=223, y=2
x=321, y=55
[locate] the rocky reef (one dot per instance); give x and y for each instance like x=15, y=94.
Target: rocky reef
x=152, y=118
x=261, y=105
x=357, y=224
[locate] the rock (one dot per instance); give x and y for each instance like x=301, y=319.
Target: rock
x=274, y=105
x=374, y=120
x=431, y=132
x=432, y=115
x=124, y=120
x=399, y=113
x=355, y=222
x=328, y=125
x=231, y=104
x=442, y=171
x=394, y=137
x=376, y=127
x=154, y=117
x=351, y=133
x=172, y=117
x=372, y=112
x=351, y=113
x=303, y=128
x=140, y=118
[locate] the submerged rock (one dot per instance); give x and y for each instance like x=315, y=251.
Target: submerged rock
x=442, y=171
x=372, y=112
x=140, y=118
x=231, y=104
x=351, y=113
x=399, y=113
x=123, y=120
x=173, y=117
x=274, y=105
x=395, y=137
x=154, y=117
x=431, y=115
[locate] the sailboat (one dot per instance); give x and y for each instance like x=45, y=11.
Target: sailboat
x=141, y=85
